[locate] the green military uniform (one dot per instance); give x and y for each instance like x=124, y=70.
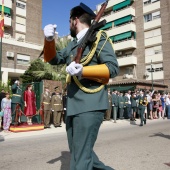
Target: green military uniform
x=15, y=100
x=134, y=107
x=121, y=104
x=46, y=102
x=108, y=111
x=85, y=111
x=114, y=105
x=57, y=108
x=141, y=108
x=126, y=99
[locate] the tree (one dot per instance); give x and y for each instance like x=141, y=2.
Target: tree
x=38, y=70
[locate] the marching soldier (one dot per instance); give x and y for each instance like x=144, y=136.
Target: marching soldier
x=16, y=102
x=57, y=108
x=46, y=105
x=141, y=108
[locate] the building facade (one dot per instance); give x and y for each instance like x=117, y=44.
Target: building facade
x=23, y=36
x=140, y=31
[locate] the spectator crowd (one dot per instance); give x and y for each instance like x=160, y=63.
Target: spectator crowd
x=126, y=105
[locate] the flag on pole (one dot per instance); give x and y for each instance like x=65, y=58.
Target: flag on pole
x=2, y=21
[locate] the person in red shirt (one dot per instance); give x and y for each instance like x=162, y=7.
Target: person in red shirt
x=29, y=103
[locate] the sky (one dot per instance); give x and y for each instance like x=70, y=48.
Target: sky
x=58, y=12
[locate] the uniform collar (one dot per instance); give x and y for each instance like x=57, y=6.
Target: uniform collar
x=81, y=34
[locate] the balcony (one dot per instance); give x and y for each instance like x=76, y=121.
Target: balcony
x=11, y=41
x=156, y=75
x=122, y=5
x=122, y=28
x=120, y=14
x=7, y=3
x=151, y=7
x=126, y=61
x=154, y=58
x=21, y=12
x=156, y=23
x=110, y=4
x=7, y=21
x=124, y=45
x=153, y=41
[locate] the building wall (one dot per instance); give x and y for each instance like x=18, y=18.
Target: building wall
x=165, y=17
x=145, y=23
x=24, y=38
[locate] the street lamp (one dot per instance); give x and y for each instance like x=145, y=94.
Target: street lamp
x=152, y=75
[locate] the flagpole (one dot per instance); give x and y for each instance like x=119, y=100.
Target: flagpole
x=1, y=60
x=1, y=35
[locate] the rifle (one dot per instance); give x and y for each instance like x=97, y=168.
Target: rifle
x=90, y=35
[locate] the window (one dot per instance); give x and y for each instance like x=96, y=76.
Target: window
x=146, y=2
x=20, y=5
x=129, y=71
x=156, y=15
x=23, y=59
x=153, y=50
x=152, y=16
x=148, y=17
x=155, y=67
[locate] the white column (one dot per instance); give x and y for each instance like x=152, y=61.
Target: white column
x=5, y=77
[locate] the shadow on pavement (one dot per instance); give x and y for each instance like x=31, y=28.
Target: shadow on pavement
x=161, y=135
x=64, y=159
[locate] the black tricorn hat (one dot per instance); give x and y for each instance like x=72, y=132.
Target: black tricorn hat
x=82, y=8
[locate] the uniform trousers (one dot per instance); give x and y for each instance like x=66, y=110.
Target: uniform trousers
x=57, y=118
x=47, y=114
x=141, y=112
x=82, y=130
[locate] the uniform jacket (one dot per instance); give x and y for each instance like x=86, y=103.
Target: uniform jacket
x=17, y=94
x=77, y=100
x=57, y=103
x=133, y=102
x=121, y=101
x=46, y=101
x=126, y=99
x=110, y=100
x=114, y=99
x=140, y=98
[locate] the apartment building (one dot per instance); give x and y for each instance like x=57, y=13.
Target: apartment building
x=140, y=31
x=23, y=36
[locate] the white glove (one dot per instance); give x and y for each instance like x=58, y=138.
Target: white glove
x=49, y=31
x=74, y=69
x=16, y=82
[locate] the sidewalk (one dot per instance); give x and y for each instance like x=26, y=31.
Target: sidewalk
x=52, y=130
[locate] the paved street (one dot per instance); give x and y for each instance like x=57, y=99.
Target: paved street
x=121, y=145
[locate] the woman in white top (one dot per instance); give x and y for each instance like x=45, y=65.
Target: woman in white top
x=6, y=108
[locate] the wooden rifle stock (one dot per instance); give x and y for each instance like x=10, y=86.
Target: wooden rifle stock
x=90, y=35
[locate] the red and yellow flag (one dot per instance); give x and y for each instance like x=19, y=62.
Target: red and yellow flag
x=2, y=21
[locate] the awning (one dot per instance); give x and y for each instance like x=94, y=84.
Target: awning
x=121, y=88
x=122, y=5
x=107, y=25
x=6, y=9
x=121, y=36
x=122, y=20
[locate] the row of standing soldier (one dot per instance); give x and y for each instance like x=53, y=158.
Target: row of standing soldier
x=126, y=106
x=50, y=103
